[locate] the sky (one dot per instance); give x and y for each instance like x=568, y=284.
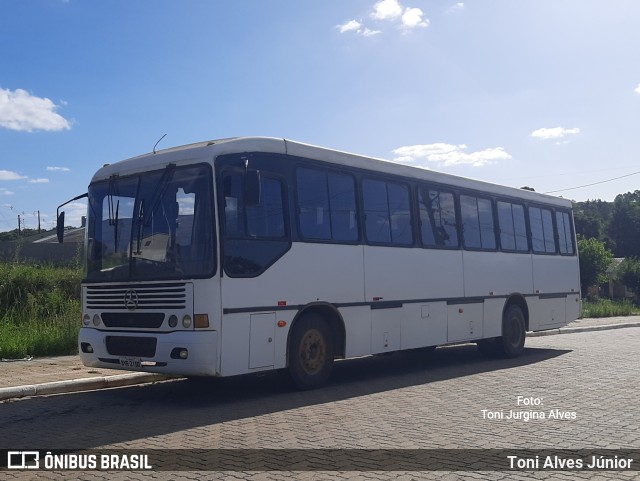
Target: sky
x=538, y=93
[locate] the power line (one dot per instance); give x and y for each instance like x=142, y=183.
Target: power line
x=594, y=183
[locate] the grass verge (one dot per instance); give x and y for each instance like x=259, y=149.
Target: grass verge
x=608, y=308
x=39, y=310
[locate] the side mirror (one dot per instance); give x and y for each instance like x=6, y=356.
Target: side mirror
x=252, y=188
x=60, y=217
x=60, y=227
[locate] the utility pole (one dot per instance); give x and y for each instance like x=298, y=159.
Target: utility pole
x=18, y=224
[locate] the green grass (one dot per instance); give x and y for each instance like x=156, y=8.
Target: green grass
x=39, y=310
x=608, y=308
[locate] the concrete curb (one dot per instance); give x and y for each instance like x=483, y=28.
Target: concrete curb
x=104, y=382
x=573, y=330
x=75, y=385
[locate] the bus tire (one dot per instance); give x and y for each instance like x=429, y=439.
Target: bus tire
x=310, y=352
x=511, y=344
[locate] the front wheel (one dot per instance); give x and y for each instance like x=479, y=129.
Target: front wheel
x=310, y=352
x=511, y=344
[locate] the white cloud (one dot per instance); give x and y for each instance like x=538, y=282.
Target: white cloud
x=19, y=110
x=6, y=192
x=412, y=17
x=455, y=8
x=367, y=32
x=39, y=181
x=637, y=89
x=355, y=26
x=8, y=175
x=554, y=133
x=58, y=169
x=386, y=10
x=447, y=155
x=349, y=26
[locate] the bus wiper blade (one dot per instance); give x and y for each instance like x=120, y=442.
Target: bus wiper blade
x=115, y=228
x=112, y=212
x=161, y=187
x=139, y=232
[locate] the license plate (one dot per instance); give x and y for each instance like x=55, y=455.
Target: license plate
x=130, y=362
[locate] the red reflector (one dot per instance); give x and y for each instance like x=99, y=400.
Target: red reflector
x=282, y=323
x=282, y=303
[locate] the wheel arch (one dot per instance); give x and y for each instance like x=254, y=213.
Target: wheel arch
x=334, y=319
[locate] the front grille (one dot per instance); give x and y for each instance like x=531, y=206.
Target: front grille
x=145, y=320
x=131, y=346
x=128, y=297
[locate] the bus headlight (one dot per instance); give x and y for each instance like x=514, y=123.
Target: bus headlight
x=173, y=320
x=186, y=321
x=86, y=319
x=96, y=320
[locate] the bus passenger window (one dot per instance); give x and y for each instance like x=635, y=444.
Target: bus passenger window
x=387, y=212
x=477, y=223
x=438, y=218
x=541, y=223
x=513, y=228
x=565, y=239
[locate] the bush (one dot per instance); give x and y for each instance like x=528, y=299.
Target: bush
x=595, y=259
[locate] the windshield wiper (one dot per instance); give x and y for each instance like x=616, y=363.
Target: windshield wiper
x=113, y=213
x=161, y=187
x=139, y=232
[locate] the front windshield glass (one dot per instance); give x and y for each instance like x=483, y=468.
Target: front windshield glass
x=156, y=225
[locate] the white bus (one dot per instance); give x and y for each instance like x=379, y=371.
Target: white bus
x=249, y=254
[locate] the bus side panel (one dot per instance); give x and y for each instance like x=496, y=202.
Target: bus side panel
x=492, y=314
x=496, y=273
x=555, y=280
x=357, y=323
x=555, y=274
x=573, y=307
x=235, y=344
x=424, y=325
x=397, y=274
x=307, y=273
x=546, y=312
x=252, y=342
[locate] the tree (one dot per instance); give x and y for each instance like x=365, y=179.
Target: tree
x=595, y=259
x=625, y=224
x=628, y=271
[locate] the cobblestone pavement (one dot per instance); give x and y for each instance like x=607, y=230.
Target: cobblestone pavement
x=409, y=400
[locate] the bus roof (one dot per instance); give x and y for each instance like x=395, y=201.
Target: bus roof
x=208, y=150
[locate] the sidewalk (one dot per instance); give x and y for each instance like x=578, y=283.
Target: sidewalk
x=63, y=374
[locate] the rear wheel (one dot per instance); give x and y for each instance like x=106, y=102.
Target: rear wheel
x=310, y=352
x=511, y=344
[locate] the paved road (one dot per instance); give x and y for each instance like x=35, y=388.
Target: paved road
x=405, y=401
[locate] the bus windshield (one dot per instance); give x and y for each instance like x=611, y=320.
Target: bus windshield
x=155, y=225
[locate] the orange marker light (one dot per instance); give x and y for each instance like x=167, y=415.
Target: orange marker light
x=201, y=320
x=282, y=323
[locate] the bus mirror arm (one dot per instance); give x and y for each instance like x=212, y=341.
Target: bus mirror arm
x=60, y=217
